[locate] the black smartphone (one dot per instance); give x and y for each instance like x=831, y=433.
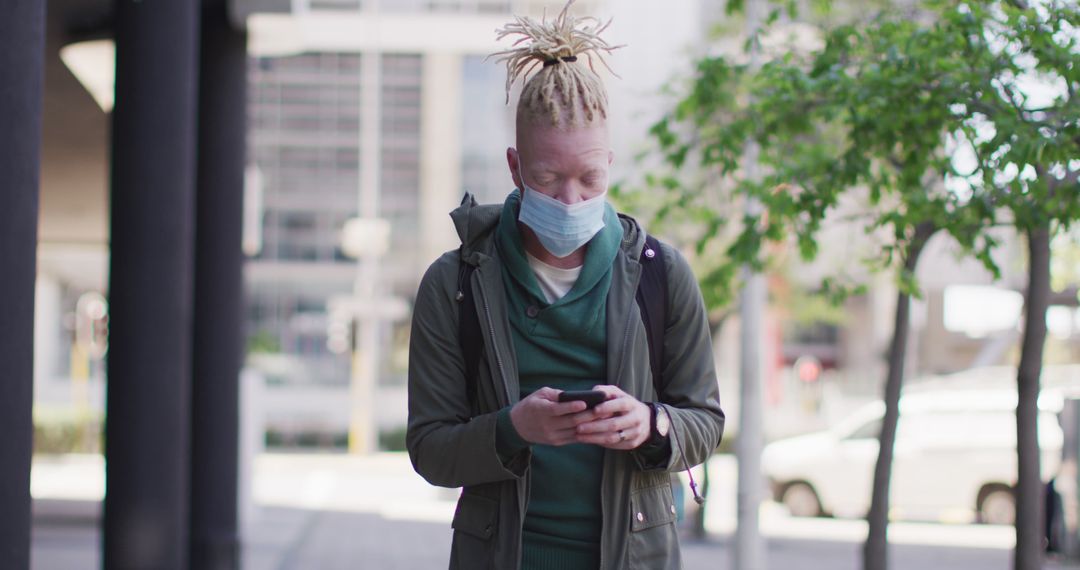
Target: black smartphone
x=590, y=397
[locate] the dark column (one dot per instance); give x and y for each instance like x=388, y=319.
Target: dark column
x=218, y=284
x=22, y=41
x=147, y=426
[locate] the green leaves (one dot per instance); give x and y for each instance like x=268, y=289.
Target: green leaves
x=868, y=129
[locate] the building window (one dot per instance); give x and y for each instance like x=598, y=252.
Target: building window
x=488, y=130
x=399, y=195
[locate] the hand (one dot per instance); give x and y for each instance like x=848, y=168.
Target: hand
x=622, y=422
x=541, y=418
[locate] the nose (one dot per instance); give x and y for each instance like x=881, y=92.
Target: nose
x=569, y=193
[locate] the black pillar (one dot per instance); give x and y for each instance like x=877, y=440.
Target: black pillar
x=219, y=260
x=22, y=45
x=147, y=425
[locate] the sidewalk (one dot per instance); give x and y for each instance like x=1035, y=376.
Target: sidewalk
x=340, y=512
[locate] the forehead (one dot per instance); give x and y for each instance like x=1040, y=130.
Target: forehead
x=555, y=146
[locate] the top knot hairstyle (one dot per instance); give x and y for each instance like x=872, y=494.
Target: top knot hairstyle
x=563, y=91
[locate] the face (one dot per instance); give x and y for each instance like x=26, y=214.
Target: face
x=568, y=165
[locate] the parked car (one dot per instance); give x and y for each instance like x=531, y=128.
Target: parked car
x=955, y=459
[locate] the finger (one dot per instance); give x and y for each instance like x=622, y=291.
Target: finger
x=549, y=398
x=609, y=425
x=619, y=439
x=599, y=426
x=583, y=417
x=611, y=391
x=566, y=408
x=569, y=421
x=617, y=406
x=547, y=393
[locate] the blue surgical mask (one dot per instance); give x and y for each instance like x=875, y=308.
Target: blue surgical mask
x=561, y=228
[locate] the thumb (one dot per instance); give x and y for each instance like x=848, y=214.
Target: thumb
x=549, y=394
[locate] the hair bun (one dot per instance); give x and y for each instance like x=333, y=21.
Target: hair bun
x=547, y=42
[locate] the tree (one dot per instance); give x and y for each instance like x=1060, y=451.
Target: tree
x=1023, y=132
x=888, y=111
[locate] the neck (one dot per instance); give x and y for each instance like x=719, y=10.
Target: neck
x=536, y=249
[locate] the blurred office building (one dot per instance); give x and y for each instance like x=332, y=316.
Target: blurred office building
x=394, y=125
x=386, y=111
x=373, y=110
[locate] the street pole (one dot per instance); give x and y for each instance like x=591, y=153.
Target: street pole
x=217, y=339
x=749, y=551
x=22, y=66
x=365, y=357
x=148, y=424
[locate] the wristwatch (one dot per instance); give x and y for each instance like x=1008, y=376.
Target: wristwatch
x=660, y=423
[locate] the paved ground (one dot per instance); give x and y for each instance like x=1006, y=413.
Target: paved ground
x=294, y=539
x=337, y=512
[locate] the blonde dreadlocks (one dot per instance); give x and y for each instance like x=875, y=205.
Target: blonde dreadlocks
x=561, y=85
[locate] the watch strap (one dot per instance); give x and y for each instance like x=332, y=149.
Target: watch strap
x=654, y=434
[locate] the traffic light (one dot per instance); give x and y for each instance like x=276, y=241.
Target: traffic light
x=340, y=333
x=92, y=325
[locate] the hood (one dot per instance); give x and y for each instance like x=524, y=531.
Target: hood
x=475, y=224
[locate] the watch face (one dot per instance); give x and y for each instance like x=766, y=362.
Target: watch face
x=663, y=422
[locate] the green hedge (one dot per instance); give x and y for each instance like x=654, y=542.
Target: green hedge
x=66, y=430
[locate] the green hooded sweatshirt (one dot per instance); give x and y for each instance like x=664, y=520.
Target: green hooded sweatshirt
x=562, y=345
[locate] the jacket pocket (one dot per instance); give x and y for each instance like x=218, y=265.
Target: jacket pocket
x=654, y=543
x=651, y=507
x=475, y=523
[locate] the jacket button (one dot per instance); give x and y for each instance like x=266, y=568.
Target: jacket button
x=672, y=509
x=532, y=311
x=650, y=253
x=640, y=517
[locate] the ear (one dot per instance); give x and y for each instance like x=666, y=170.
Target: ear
x=513, y=160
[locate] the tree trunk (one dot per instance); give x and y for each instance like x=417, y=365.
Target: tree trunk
x=699, y=512
x=1029, y=488
x=875, y=551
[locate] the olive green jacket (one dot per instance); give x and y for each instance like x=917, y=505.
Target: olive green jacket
x=451, y=440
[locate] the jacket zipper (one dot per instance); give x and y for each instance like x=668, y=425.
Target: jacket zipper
x=502, y=375
x=494, y=345
x=618, y=374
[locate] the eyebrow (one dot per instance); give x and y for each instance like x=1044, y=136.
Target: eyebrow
x=541, y=169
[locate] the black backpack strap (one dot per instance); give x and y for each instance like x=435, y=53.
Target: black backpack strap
x=468, y=330
x=652, y=300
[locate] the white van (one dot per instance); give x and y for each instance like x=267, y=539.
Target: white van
x=955, y=459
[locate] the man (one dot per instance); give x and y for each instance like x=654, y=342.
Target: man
x=552, y=274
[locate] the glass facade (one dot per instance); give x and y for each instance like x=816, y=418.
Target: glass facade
x=305, y=137
x=415, y=6
x=488, y=128
x=399, y=200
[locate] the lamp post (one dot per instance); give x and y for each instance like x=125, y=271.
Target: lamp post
x=749, y=552
x=359, y=316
